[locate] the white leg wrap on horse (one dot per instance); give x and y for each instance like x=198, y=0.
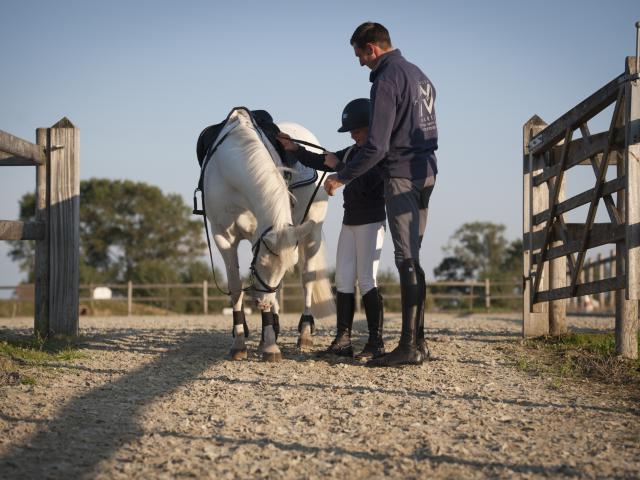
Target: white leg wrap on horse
x=238, y=347
x=270, y=350
x=306, y=338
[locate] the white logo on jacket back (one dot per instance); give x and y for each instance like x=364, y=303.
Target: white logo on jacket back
x=426, y=96
x=425, y=100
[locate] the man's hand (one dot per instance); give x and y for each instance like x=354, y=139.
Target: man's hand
x=286, y=142
x=332, y=183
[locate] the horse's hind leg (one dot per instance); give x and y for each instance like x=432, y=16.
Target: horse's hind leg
x=306, y=323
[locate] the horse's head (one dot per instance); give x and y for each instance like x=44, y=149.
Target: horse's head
x=274, y=253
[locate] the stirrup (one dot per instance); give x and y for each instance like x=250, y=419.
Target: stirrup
x=196, y=210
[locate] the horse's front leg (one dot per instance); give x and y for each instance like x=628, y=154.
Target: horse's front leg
x=240, y=329
x=270, y=326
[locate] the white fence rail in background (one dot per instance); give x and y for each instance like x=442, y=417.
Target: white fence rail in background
x=449, y=295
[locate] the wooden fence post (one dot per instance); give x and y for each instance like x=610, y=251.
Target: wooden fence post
x=64, y=227
x=627, y=316
x=602, y=295
x=535, y=200
x=612, y=274
x=471, y=296
x=205, y=297
x=587, y=276
x=129, y=298
x=487, y=294
x=558, y=279
x=42, y=290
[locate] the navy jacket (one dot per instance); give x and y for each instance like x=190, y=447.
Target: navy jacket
x=363, y=197
x=403, y=135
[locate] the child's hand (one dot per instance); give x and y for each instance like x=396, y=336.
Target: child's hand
x=330, y=160
x=286, y=142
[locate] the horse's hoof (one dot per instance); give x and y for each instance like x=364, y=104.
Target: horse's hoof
x=305, y=343
x=238, y=354
x=271, y=356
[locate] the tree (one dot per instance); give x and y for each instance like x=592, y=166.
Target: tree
x=128, y=231
x=513, y=258
x=476, y=251
x=479, y=251
x=452, y=268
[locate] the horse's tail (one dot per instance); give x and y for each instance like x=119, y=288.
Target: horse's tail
x=322, y=299
x=322, y=303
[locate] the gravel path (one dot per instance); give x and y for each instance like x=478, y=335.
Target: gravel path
x=155, y=397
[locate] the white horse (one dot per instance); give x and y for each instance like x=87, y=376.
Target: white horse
x=246, y=198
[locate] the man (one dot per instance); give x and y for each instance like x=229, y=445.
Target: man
x=403, y=138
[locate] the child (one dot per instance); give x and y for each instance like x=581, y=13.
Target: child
x=361, y=236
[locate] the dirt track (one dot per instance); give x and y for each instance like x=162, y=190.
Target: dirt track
x=156, y=398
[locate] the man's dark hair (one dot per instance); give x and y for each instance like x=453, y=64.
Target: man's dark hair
x=371, y=32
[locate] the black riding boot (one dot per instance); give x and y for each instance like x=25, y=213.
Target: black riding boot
x=373, y=308
x=406, y=352
x=341, y=345
x=421, y=343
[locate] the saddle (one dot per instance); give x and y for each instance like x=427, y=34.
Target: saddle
x=263, y=119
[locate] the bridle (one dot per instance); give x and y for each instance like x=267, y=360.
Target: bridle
x=255, y=248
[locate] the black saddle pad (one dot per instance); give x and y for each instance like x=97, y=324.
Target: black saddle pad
x=206, y=138
x=263, y=119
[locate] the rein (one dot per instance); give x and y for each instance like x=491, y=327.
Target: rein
x=254, y=271
x=256, y=246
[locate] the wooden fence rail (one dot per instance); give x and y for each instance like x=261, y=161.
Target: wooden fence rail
x=457, y=295
x=56, y=225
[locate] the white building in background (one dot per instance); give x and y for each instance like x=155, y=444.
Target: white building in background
x=101, y=293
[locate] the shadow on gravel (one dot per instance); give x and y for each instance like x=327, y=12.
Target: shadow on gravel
x=283, y=446
x=430, y=332
x=146, y=341
x=515, y=320
x=421, y=394
x=497, y=468
x=419, y=454
x=91, y=427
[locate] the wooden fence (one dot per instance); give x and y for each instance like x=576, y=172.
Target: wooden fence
x=594, y=269
x=56, y=225
x=551, y=246
x=203, y=298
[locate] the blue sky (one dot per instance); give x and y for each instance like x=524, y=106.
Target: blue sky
x=141, y=79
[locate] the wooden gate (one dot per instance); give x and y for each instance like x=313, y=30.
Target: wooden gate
x=554, y=251
x=56, y=227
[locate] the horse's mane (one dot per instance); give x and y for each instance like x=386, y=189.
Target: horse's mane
x=274, y=194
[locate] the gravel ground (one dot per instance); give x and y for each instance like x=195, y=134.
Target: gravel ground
x=156, y=397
